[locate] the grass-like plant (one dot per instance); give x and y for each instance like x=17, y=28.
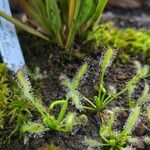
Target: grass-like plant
x=104, y=96
x=62, y=122
x=116, y=140
x=60, y=20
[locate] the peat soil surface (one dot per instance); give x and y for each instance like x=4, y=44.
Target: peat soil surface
x=55, y=63
x=52, y=59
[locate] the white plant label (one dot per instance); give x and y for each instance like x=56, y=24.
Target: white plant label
x=10, y=49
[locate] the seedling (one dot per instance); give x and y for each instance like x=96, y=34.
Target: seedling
x=61, y=123
x=116, y=140
x=60, y=21
x=104, y=96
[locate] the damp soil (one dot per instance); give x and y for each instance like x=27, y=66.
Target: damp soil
x=55, y=62
x=52, y=60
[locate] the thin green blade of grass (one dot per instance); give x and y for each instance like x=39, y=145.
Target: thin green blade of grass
x=97, y=15
x=39, y=6
x=85, y=12
x=39, y=12
x=72, y=7
x=63, y=6
x=71, y=29
x=82, y=12
x=53, y=14
x=23, y=26
x=33, y=11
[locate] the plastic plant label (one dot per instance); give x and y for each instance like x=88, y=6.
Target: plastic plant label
x=10, y=49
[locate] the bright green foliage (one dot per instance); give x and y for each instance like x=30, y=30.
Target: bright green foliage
x=59, y=20
x=129, y=40
x=14, y=109
x=104, y=96
x=63, y=122
x=18, y=112
x=116, y=140
x=4, y=90
x=105, y=35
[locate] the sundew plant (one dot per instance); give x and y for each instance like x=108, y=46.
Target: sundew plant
x=62, y=122
x=104, y=96
x=60, y=20
x=116, y=140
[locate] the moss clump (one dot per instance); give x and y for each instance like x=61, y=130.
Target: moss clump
x=130, y=40
x=14, y=109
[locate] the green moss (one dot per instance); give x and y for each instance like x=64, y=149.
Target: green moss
x=130, y=40
x=14, y=109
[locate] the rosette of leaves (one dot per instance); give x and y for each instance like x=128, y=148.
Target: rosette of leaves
x=60, y=20
x=116, y=140
x=105, y=96
x=48, y=121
